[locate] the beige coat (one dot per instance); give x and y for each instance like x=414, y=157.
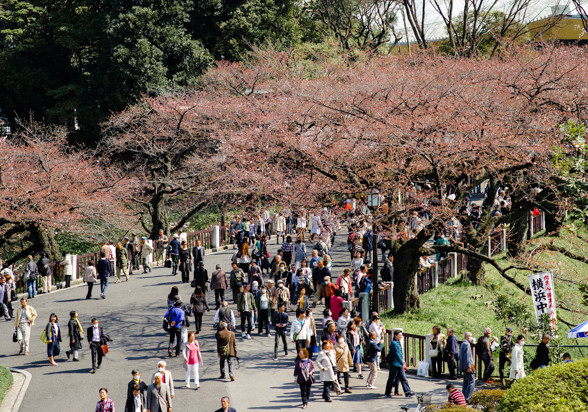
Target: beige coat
x=343, y=357
x=31, y=315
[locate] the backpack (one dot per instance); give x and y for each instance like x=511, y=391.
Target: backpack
x=363, y=284
x=368, y=241
x=319, y=248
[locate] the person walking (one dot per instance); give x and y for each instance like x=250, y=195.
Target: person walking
x=146, y=250
x=31, y=273
x=96, y=338
x=517, y=365
x=303, y=371
x=264, y=311
x=192, y=359
x=122, y=262
x=158, y=396
x=246, y=307
x=199, y=305
x=166, y=377
x=160, y=247
x=174, y=251
x=226, y=346
x=53, y=334
x=299, y=253
x=484, y=349
x=5, y=298
x=225, y=402
x=198, y=252
x=237, y=278
x=103, y=269
x=467, y=366
x=396, y=365
x=218, y=283
x=225, y=314
x=300, y=331
x=201, y=276
x=104, y=404
x=136, y=381
x=280, y=322
x=374, y=347
x=176, y=317
x=504, y=355
x=185, y=263
x=451, y=353
x=136, y=401
x=354, y=341
x=45, y=271
x=24, y=319
x=90, y=277
x=326, y=367
x=75, y=335
x=344, y=360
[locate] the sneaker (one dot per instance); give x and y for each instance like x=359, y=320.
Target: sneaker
x=360, y=376
x=409, y=395
x=248, y=336
x=188, y=385
x=489, y=381
x=197, y=387
x=222, y=377
x=92, y=371
x=275, y=358
x=242, y=334
x=387, y=397
x=371, y=387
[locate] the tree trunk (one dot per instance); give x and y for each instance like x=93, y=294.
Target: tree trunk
x=519, y=230
x=405, y=293
x=476, y=271
x=44, y=240
x=159, y=218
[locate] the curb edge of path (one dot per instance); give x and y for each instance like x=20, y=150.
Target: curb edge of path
x=20, y=391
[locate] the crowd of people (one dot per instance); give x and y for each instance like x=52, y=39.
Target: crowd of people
x=275, y=295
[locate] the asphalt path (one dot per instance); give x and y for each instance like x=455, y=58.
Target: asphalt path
x=132, y=315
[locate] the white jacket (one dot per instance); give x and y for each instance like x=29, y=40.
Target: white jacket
x=323, y=361
x=517, y=363
x=303, y=330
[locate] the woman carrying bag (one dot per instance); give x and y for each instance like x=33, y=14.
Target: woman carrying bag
x=52, y=336
x=303, y=371
x=192, y=360
x=436, y=348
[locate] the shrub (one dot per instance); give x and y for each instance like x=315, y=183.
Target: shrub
x=557, y=388
x=445, y=408
x=5, y=381
x=487, y=400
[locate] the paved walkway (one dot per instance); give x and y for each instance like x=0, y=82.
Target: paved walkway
x=132, y=316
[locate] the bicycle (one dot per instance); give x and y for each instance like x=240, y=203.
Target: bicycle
x=423, y=399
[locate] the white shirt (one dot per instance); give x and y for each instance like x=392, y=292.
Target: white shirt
x=96, y=333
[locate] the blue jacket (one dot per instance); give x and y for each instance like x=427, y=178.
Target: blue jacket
x=174, y=246
x=372, y=351
x=177, y=315
x=465, y=356
x=103, y=268
x=451, y=348
x=395, y=356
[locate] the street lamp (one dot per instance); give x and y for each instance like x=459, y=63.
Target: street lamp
x=374, y=200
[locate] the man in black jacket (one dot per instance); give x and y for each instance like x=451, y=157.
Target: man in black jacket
x=451, y=353
x=136, y=399
x=198, y=253
x=542, y=356
x=96, y=339
x=280, y=321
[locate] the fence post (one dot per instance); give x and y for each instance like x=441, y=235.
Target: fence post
x=489, y=246
x=215, y=241
x=542, y=220
x=453, y=265
x=531, y=229
x=436, y=275
x=503, y=245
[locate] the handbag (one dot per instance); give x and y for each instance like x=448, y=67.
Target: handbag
x=104, y=349
x=44, y=338
x=168, y=263
x=15, y=336
x=433, y=353
x=423, y=369
x=193, y=283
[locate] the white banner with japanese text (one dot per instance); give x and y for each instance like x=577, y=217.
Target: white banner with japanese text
x=543, y=296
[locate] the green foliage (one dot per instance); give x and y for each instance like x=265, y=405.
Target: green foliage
x=69, y=243
x=445, y=408
x=487, y=400
x=557, y=388
x=512, y=311
x=5, y=381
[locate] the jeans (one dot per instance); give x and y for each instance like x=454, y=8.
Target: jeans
x=103, y=285
x=280, y=335
x=246, y=317
x=469, y=384
x=32, y=288
x=229, y=360
x=175, y=261
x=397, y=372
x=305, y=391
x=175, y=333
x=327, y=389
x=219, y=296
x=146, y=265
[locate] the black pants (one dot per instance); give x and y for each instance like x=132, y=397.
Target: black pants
x=96, y=354
x=502, y=361
x=235, y=294
x=345, y=378
x=451, y=366
x=90, y=286
x=327, y=389
x=437, y=364
x=488, y=367
x=67, y=281
x=175, y=333
x=263, y=321
x=246, y=317
x=305, y=391
x=175, y=261
x=219, y=296
x=280, y=335
x=185, y=271
x=300, y=344
x=198, y=321
x=288, y=259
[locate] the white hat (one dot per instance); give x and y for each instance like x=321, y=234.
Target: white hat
x=176, y=235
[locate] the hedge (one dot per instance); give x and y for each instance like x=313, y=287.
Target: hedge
x=557, y=388
x=5, y=381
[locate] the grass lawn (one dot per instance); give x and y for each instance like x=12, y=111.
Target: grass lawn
x=464, y=307
x=5, y=381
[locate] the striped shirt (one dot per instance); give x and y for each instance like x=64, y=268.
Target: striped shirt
x=287, y=247
x=456, y=398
